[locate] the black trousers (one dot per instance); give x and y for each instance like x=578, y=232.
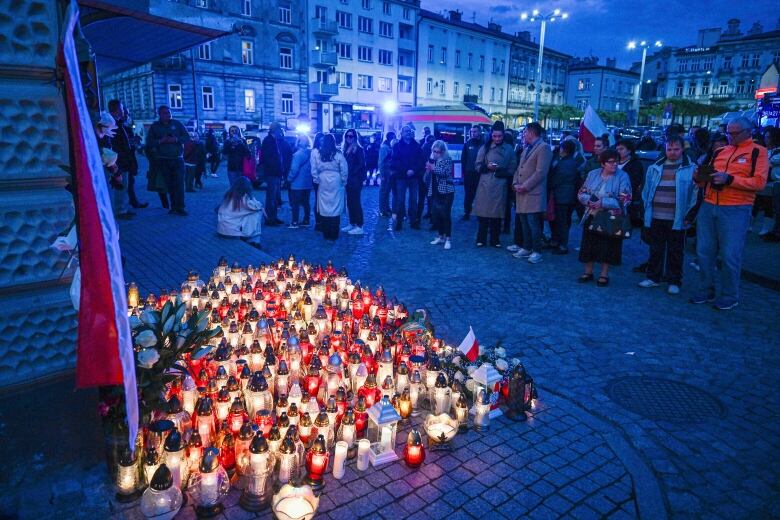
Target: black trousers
x=131, y=189
x=354, y=204
x=562, y=224
x=441, y=213
x=214, y=163
x=492, y=224
x=470, y=183
x=510, y=201
x=422, y=197
x=666, y=247
x=299, y=199
x=317, y=219
x=172, y=171
x=272, y=194
x=330, y=227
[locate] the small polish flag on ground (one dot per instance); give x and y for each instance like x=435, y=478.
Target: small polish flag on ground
x=591, y=127
x=469, y=346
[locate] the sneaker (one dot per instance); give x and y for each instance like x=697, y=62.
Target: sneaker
x=535, y=258
x=347, y=228
x=514, y=248
x=648, y=283
x=673, y=289
x=480, y=244
x=725, y=305
x=700, y=298
x=695, y=266
x=357, y=230
x=447, y=244
x=498, y=246
x=522, y=253
x=293, y=225
x=437, y=240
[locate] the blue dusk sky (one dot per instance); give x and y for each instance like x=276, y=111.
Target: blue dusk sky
x=604, y=27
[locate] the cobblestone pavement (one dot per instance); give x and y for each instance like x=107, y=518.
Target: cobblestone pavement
x=582, y=455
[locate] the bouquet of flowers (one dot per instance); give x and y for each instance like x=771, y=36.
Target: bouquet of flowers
x=457, y=367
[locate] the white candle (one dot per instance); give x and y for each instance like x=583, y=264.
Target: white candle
x=286, y=466
x=339, y=459
x=209, y=489
x=348, y=434
x=362, y=458
x=384, y=441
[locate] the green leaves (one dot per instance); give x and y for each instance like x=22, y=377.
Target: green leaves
x=202, y=352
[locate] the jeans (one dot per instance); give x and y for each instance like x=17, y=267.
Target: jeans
x=492, y=224
x=384, y=192
x=299, y=199
x=441, y=213
x=172, y=171
x=272, y=193
x=120, y=201
x=532, y=231
x=401, y=186
x=721, y=231
x=665, y=242
x=470, y=183
x=354, y=204
x=561, y=225
x=517, y=239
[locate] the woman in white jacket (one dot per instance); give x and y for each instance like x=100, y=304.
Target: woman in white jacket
x=329, y=170
x=240, y=214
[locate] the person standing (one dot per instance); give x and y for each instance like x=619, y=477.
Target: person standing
x=195, y=161
x=773, y=152
x=468, y=161
x=385, y=156
x=741, y=170
x=631, y=165
x=424, y=182
x=273, y=166
x=441, y=192
x=330, y=172
x=406, y=165
x=356, y=163
x=372, y=158
x=212, y=152
x=530, y=183
x=562, y=184
x=235, y=149
x=167, y=138
x=495, y=163
x=313, y=158
x=300, y=181
x=123, y=143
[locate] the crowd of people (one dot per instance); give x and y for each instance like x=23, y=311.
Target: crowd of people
x=713, y=183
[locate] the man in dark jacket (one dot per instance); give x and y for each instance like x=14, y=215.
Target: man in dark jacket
x=273, y=170
x=468, y=168
x=407, y=165
x=422, y=192
x=166, y=140
x=212, y=151
x=123, y=144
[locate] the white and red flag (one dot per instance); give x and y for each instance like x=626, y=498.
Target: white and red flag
x=591, y=127
x=469, y=346
x=104, y=353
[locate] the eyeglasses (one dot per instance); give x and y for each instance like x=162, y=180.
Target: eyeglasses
x=611, y=161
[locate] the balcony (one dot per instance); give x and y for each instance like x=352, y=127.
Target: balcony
x=323, y=91
x=407, y=44
x=721, y=97
x=322, y=27
x=323, y=59
x=406, y=70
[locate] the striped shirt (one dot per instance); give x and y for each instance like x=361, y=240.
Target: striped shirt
x=664, y=200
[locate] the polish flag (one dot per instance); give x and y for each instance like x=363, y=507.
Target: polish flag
x=104, y=354
x=469, y=346
x=591, y=127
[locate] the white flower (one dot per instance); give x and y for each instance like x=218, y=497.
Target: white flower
x=456, y=360
x=148, y=357
x=500, y=352
x=471, y=385
x=515, y=361
x=502, y=365
x=471, y=369
x=146, y=339
x=459, y=376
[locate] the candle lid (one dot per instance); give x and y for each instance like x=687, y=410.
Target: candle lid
x=210, y=461
x=259, y=444
x=173, y=442
x=162, y=479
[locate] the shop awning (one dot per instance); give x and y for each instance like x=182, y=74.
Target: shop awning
x=134, y=33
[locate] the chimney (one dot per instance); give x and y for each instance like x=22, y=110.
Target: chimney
x=611, y=62
x=523, y=35
x=756, y=29
x=733, y=27
x=708, y=37
x=455, y=16
x=494, y=27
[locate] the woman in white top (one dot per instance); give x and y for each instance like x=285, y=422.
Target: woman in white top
x=240, y=214
x=329, y=170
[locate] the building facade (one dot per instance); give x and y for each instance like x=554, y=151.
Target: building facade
x=723, y=67
x=361, y=61
x=604, y=87
x=251, y=78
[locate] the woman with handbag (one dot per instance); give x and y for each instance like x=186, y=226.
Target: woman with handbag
x=235, y=149
x=606, y=195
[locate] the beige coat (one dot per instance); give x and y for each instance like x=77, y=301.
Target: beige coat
x=531, y=174
x=490, y=198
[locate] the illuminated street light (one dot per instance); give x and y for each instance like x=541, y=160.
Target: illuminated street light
x=389, y=107
x=638, y=93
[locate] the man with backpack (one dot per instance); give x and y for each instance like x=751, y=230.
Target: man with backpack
x=730, y=183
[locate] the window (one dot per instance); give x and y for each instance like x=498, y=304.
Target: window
x=364, y=53
x=443, y=60
x=344, y=19
x=482, y=64
x=202, y=3
x=723, y=88
x=385, y=57
x=492, y=94
x=581, y=85
x=285, y=58
x=755, y=61
x=405, y=60
x=386, y=8
x=204, y=51
x=741, y=84
x=366, y=4
x=429, y=86
x=430, y=53
x=479, y=92
x=407, y=13
x=727, y=62
x=745, y=60
x=471, y=56
x=500, y=95
x=174, y=96
x=321, y=12
x=365, y=25
x=503, y=65
x=247, y=53
x=344, y=50
x=494, y=69
x=322, y=76
x=385, y=85
x=207, y=96
x=246, y=7
x=467, y=92
x=386, y=29
x=705, y=87
x=249, y=100
x=345, y=79
x=365, y=82
x=678, y=89
x=287, y=103
x=442, y=88
x=285, y=14
x=404, y=85
x=708, y=63
x=455, y=89
x=457, y=58
x=692, y=88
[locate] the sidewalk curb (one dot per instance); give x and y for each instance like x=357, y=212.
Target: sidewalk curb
x=649, y=498
x=762, y=280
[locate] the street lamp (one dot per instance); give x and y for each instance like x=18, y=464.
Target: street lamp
x=536, y=15
x=638, y=93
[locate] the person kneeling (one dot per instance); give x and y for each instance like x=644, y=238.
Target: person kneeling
x=240, y=214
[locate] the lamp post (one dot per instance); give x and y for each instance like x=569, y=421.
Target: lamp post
x=557, y=14
x=638, y=93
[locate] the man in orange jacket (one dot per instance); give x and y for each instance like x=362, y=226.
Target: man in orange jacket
x=740, y=170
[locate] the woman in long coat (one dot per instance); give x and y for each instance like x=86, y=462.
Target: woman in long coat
x=329, y=171
x=496, y=162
